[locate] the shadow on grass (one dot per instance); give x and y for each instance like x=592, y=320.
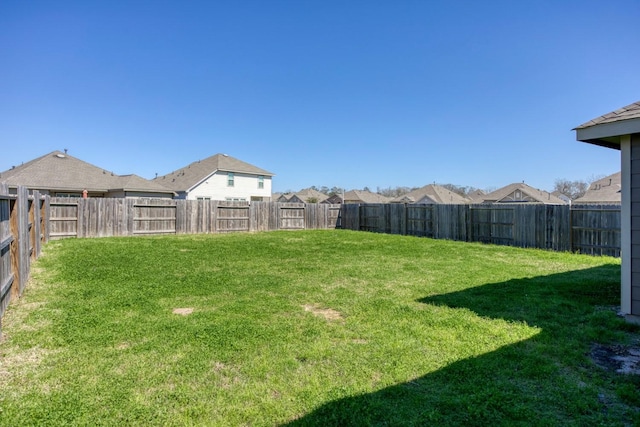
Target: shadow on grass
x=544, y=380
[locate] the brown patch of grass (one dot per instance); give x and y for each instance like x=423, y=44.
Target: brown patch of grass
x=326, y=313
x=13, y=366
x=183, y=311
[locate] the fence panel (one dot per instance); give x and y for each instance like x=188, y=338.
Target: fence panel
x=419, y=220
x=350, y=216
x=334, y=216
x=232, y=217
x=587, y=229
x=492, y=224
x=259, y=216
x=372, y=217
x=451, y=222
x=156, y=216
x=7, y=277
x=291, y=216
x=64, y=217
x=595, y=230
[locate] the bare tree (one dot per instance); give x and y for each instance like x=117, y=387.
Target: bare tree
x=458, y=189
x=571, y=189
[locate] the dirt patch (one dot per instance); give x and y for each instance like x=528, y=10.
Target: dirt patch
x=183, y=311
x=326, y=313
x=623, y=359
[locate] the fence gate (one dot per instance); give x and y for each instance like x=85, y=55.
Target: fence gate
x=154, y=218
x=370, y=217
x=420, y=220
x=64, y=219
x=492, y=224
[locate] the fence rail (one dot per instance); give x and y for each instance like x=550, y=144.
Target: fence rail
x=589, y=229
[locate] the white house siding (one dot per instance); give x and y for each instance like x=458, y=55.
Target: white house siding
x=245, y=187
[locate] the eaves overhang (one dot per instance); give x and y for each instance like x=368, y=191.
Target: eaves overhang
x=608, y=134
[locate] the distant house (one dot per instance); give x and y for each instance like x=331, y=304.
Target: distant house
x=308, y=195
x=336, y=199
x=432, y=194
x=560, y=195
x=60, y=175
x=521, y=193
x=362, y=196
x=476, y=196
x=219, y=177
x=603, y=191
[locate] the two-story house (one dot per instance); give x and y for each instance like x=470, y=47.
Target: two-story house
x=219, y=177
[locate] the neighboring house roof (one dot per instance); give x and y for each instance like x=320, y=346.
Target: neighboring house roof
x=607, y=129
x=283, y=198
x=521, y=193
x=362, y=196
x=188, y=177
x=333, y=200
x=309, y=194
x=560, y=195
x=431, y=193
x=605, y=190
x=303, y=196
x=476, y=196
x=61, y=172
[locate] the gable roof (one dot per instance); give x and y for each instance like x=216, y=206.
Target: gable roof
x=607, y=129
x=62, y=172
x=362, y=196
x=561, y=196
x=309, y=194
x=431, y=193
x=336, y=199
x=502, y=195
x=184, y=179
x=476, y=196
x=605, y=190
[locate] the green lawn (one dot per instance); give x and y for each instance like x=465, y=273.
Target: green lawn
x=313, y=328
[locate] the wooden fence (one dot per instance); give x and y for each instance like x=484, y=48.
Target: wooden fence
x=23, y=229
x=28, y=221
x=98, y=217
x=589, y=229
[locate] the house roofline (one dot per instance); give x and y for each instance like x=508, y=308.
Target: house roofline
x=608, y=134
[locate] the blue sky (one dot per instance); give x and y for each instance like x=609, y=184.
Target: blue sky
x=326, y=93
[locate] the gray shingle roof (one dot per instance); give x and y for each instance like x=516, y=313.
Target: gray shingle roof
x=539, y=196
x=361, y=196
x=476, y=196
x=436, y=193
x=631, y=111
x=605, y=190
x=304, y=195
x=60, y=171
x=184, y=179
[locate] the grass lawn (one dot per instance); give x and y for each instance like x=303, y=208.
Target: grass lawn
x=313, y=328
